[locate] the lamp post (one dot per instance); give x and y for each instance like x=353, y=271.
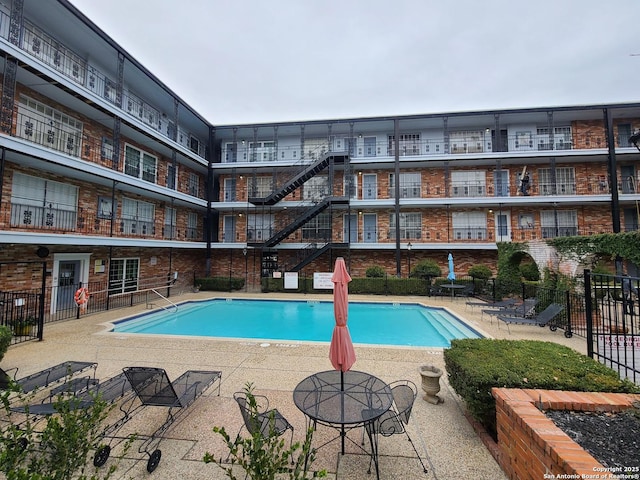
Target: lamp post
x=409, y=255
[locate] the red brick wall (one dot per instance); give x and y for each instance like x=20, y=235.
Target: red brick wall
x=531, y=445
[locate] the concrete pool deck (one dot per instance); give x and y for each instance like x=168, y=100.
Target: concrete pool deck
x=443, y=436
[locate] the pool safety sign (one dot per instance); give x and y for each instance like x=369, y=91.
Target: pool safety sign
x=291, y=280
x=322, y=281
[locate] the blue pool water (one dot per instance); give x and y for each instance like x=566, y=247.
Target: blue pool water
x=369, y=323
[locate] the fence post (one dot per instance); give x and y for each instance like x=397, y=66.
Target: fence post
x=41, y=309
x=588, y=311
x=568, y=332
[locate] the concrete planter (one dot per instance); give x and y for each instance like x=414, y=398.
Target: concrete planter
x=431, y=383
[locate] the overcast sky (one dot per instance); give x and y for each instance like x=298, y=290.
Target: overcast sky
x=250, y=61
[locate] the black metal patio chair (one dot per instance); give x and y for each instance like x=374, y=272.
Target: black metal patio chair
x=261, y=419
x=394, y=420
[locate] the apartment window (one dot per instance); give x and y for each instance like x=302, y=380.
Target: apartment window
x=172, y=176
x=231, y=152
x=140, y=164
x=194, y=184
x=229, y=189
x=318, y=228
x=192, y=226
x=46, y=126
x=316, y=188
x=262, y=151
x=564, y=184
x=259, y=227
x=409, y=144
x=469, y=225
x=409, y=185
x=40, y=203
x=351, y=186
x=137, y=217
x=410, y=226
x=561, y=138
x=169, y=223
x=105, y=207
x=123, y=275
x=106, y=149
x=559, y=223
x=468, y=184
x=525, y=221
x=260, y=186
x=466, y=141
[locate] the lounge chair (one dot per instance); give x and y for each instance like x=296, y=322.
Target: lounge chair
x=264, y=420
x=542, y=319
x=509, y=302
x=46, y=377
x=154, y=389
x=525, y=309
x=393, y=421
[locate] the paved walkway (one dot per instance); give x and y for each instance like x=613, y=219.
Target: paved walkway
x=443, y=436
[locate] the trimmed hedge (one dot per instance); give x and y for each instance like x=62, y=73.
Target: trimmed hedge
x=474, y=366
x=222, y=284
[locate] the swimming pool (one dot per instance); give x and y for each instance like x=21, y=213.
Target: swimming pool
x=407, y=324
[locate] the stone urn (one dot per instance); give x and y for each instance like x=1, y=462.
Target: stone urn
x=431, y=383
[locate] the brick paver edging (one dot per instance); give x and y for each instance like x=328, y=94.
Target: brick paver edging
x=532, y=447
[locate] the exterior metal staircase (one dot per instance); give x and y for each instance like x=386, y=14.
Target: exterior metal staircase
x=313, y=251
x=298, y=179
x=300, y=220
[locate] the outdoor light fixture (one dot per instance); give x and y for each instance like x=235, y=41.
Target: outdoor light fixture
x=409, y=246
x=635, y=138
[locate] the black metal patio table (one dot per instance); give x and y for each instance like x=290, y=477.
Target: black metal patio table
x=343, y=400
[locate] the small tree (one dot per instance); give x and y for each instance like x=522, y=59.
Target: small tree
x=481, y=272
x=426, y=269
x=375, y=271
x=529, y=271
x=56, y=448
x=264, y=457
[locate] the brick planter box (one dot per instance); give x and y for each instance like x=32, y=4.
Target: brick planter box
x=530, y=445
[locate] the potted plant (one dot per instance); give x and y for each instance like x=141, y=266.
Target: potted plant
x=196, y=288
x=22, y=326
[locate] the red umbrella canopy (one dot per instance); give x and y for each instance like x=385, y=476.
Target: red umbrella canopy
x=341, y=352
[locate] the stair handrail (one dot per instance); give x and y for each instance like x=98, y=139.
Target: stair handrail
x=173, y=305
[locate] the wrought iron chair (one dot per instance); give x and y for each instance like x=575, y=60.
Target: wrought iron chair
x=394, y=420
x=263, y=420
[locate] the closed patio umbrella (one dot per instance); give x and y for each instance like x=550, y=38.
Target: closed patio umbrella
x=341, y=352
x=451, y=275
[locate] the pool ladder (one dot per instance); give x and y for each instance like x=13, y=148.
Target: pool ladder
x=173, y=306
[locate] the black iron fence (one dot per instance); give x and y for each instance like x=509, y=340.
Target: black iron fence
x=612, y=312
x=27, y=312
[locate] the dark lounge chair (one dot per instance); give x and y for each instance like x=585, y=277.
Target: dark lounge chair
x=154, y=389
x=525, y=309
x=542, y=319
x=46, y=377
x=509, y=302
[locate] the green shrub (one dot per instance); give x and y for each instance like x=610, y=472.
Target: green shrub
x=223, y=284
x=56, y=449
x=481, y=272
x=426, y=270
x=475, y=366
x=530, y=272
x=5, y=340
x=375, y=271
x=263, y=456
